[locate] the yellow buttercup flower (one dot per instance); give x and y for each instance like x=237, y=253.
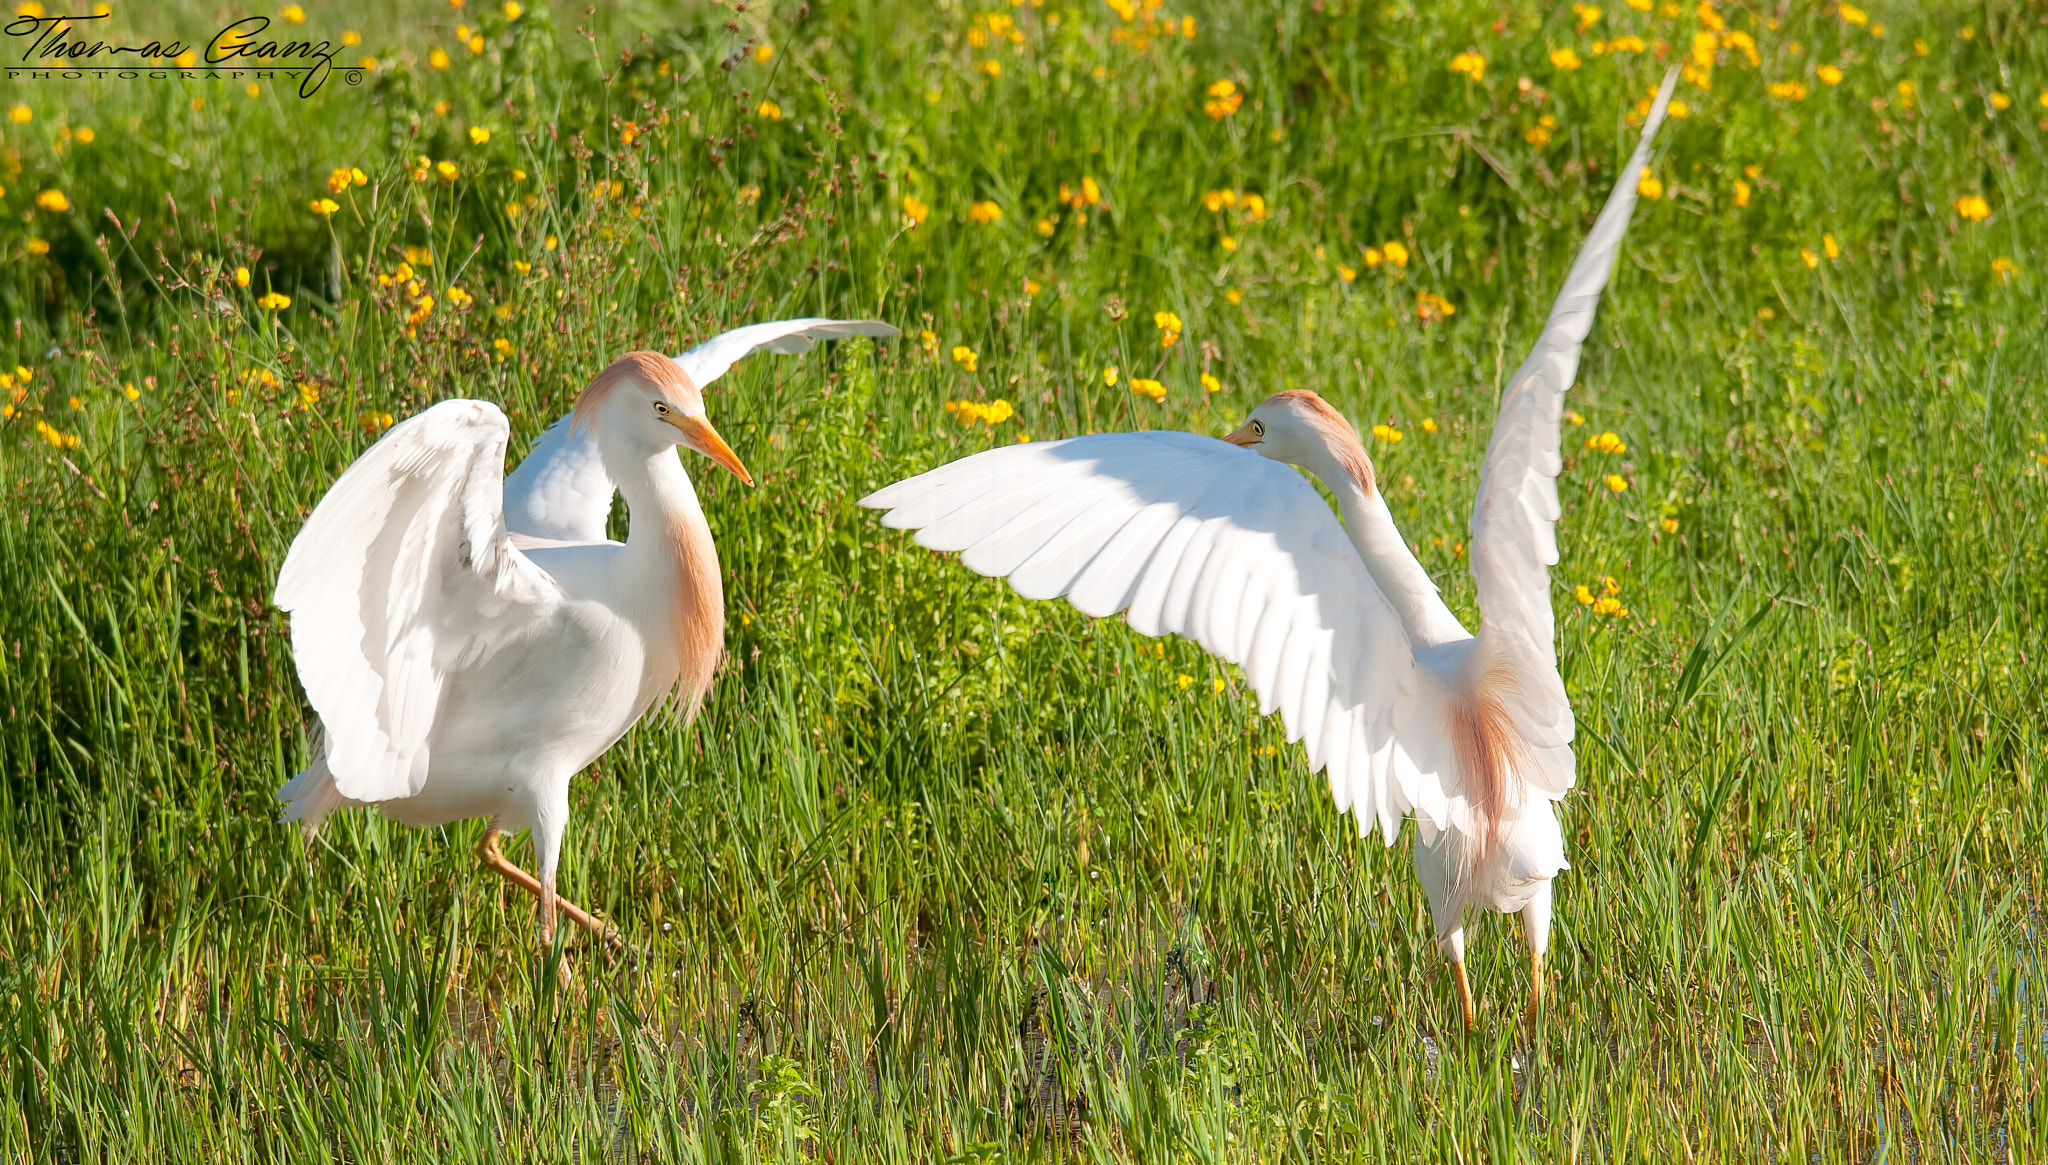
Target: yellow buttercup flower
x=478, y=135
x=1214, y=385
x=1741, y=193
x=293, y=13
x=447, y=171
x=1565, y=58
x=1388, y=433
x=1169, y=326
x=1151, y=388
x=1347, y=274
x=1970, y=206
x=1428, y=424
x=325, y=206
x=1470, y=65
x=437, y=57
x=1829, y=74
x=53, y=200
x=965, y=357
x=1396, y=254
x=1224, y=99
x=1616, y=482
x=275, y=301
x=1109, y=376
x=984, y=212
x=1606, y=443
x=769, y=111
x=1649, y=186
x=915, y=210
x=241, y=277
x=1183, y=681
x=1789, y=90
x=1216, y=685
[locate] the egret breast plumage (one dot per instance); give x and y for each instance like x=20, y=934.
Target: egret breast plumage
x=1337, y=627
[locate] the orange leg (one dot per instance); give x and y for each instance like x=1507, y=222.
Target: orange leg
x=1464, y=993
x=487, y=852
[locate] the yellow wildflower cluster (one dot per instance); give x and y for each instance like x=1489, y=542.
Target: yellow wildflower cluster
x=1469, y=65
x=967, y=412
x=1973, y=207
x=1431, y=308
x=1169, y=326
x=768, y=111
x=929, y=341
x=1429, y=424
x=53, y=200
x=993, y=26
x=1829, y=74
x=1388, y=433
x=16, y=384
x=2004, y=268
x=1538, y=135
x=1788, y=90
x=1391, y=252
x=1616, y=482
x=984, y=212
x=1109, y=376
x=56, y=439
x=915, y=210
x=1089, y=194
x=343, y=177
x=1212, y=384
x=1607, y=602
x=1587, y=14
x=1606, y=443
x=374, y=421
x=1148, y=21
x=1151, y=388
x=274, y=301
x=1565, y=58
x=325, y=206
x=1620, y=44
x=1649, y=186
x=966, y=357
x=1223, y=99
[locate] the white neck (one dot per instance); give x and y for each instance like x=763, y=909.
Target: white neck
x=658, y=493
x=1370, y=526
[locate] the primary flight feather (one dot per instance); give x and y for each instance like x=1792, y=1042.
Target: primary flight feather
x=1337, y=627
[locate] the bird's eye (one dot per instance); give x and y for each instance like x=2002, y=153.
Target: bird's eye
x=661, y=408
x=1258, y=428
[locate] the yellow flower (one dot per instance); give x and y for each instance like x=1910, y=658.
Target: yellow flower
x=369, y=64
x=1223, y=99
x=437, y=58
x=1617, y=482
x=1678, y=109
x=1214, y=385
x=1606, y=443
x=478, y=135
x=1609, y=605
x=2004, y=268
x=1347, y=274
x=1828, y=244
x=56, y=439
x=965, y=357
x=53, y=200
x=1388, y=433
x=1584, y=594
x=550, y=243
x=1970, y=206
x=476, y=44
x=512, y=10
x=769, y=110
x=1151, y=388
x=186, y=60
x=309, y=394
x=992, y=68
x=1565, y=58
x=1829, y=74
x=1574, y=418
x=350, y=38
x=459, y=297
x=1169, y=326
x=130, y=391
x=1090, y=192
x=1373, y=257
x=241, y=277
x=763, y=54
x=19, y=113
x=1588, y=15
x=447, y=171
x=1649, y=186
x=1227, y=243
x=503, y=347
x=338, y=180
x=1669, y=525
x=325, y=206
x=38, y=247
x=1854, y=15
x=1216, y=685
x=914, y=209
x=1430, y=308
x=1807, y=256
x=1183, y=681
x=1109, y=376
x=1044, y=228
x=1235, y=295
x=293, y=13
x=374, y=422
x=85, y=134
x=1254, y=208
x=984, y=212
x=1999, y=101
x=1470, y=65
x=1741, y=193
x=1214, y=201
x=1396, y=254
x=275, y=301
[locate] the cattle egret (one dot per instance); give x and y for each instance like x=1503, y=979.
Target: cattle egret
x=1336, y=626
x=466, y=664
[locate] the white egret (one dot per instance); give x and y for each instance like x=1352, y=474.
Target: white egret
x=471, y=642
x=1336, y=626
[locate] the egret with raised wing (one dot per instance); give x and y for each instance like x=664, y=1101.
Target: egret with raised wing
x=471, y=642
x=1337, y=626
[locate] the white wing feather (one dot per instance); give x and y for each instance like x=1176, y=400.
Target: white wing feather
x=403, y=575
x=561, y=492
x=1200, y=538
x=1514, y=540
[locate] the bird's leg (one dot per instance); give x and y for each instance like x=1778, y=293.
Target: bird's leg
x=1464, y=993
x=1535, y=984
x=550, y=902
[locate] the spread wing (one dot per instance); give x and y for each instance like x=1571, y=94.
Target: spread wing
x=1514, y=540
x=561, y=491
x=404, y=575
x=1200, y=538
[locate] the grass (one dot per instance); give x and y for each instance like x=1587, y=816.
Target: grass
x=940, y=874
